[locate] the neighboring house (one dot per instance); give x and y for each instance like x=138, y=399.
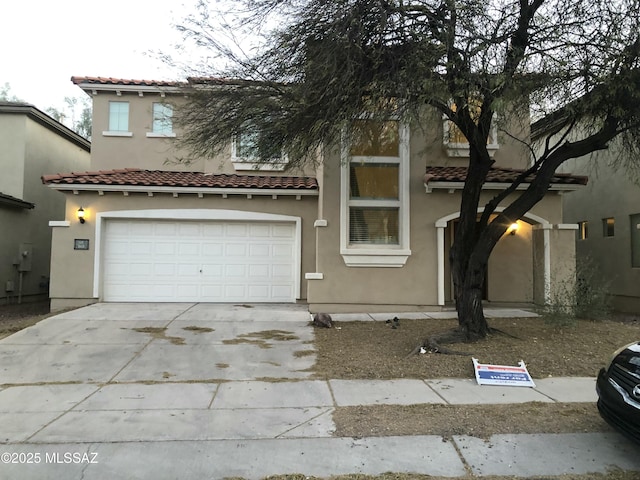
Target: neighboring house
x=608, y=214
x=370, y=229
x=32, y=144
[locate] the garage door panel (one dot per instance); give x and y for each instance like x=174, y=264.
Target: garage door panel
x=213, y=261
x=281, y=291
x=282, y=250
x=212, y=293
x=282, y=231
x=260, y=250
x=140, y=269
x=189, y=248
x=236, y=230
x=213, y=230
x=235, y=250
x=141, y=229
x=261, y=271
x=283, y=271
x=235, y=291
x=260, y=291
x=166, y=269
x=211, y=270
x=232, y=271
x=164, y=248
x=166, y=229
x=186, y=271
x=260, y=231
x=189, y=229
x=210, y=249
x=119, y=268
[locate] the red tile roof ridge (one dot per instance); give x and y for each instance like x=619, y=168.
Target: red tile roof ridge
x=136, y=176
x=436, y=173
x=76, y=79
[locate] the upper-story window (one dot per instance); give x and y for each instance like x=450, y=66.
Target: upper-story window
x=245, y=154
x=454, y=141
x=162, y=125
x=118, y=119
x=375, y=195
x=635, y=240
x=583, y=230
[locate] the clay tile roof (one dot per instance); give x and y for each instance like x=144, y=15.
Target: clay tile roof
x=161, y=178
x=496, y=175
x=121, y=81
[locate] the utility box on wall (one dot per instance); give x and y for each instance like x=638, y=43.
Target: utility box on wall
x=24, y=257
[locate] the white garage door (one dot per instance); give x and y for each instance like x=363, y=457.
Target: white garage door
x=193, y=261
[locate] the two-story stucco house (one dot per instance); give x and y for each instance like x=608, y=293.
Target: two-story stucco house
x=31, y=144
x=607, y=212
x=370, y=229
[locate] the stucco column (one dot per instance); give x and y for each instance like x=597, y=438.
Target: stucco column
x=440, y=244
x=563, y=259
x=541, y=263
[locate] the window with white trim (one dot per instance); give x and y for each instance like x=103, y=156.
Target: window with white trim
x=118, y=116
x=375, y=196
x=162, y=124
x=454, y=141
x=245, y=153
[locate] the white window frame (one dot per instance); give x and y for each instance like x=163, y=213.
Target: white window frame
x=247, y=163
x=376, y=255
x=118, y=131
x=461, y=149
x=161, y=119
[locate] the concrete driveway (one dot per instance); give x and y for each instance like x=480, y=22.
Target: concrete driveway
x=116, y=342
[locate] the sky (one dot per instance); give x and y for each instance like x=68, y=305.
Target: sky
x=43, y=43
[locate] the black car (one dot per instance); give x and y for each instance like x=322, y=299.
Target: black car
x=618, y=388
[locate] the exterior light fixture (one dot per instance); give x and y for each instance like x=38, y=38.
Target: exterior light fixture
x=513, y=228
x=81, y=215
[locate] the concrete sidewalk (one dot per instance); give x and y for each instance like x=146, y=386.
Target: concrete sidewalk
x=132, y=412
x=253, y=429
x=178, y=391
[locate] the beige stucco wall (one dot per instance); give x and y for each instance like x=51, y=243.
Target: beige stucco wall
x=415, y=285
x=72, y=271
x=13, y=138
x=140, y=151
x=32, y=150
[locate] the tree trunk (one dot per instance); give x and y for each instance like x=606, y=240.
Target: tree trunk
x=471, y=320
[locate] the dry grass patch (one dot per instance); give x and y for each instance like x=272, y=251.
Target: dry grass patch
x=373, y=350
x=480, y=421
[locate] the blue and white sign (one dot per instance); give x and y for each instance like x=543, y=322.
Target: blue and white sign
x=502, y=375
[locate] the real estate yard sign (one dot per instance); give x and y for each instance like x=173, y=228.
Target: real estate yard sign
x=502, y=375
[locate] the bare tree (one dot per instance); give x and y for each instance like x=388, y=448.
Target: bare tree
x=474, y=61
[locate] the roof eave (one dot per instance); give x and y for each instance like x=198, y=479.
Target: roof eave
x=453, y=186
x=278, y=191
x=16, y=202
x=93, y=88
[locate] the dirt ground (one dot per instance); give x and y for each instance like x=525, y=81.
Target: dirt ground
x=374, y=350
x=14, y=317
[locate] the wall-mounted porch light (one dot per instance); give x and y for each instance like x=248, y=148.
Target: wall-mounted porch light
x=513, y=228
x=81, y=215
